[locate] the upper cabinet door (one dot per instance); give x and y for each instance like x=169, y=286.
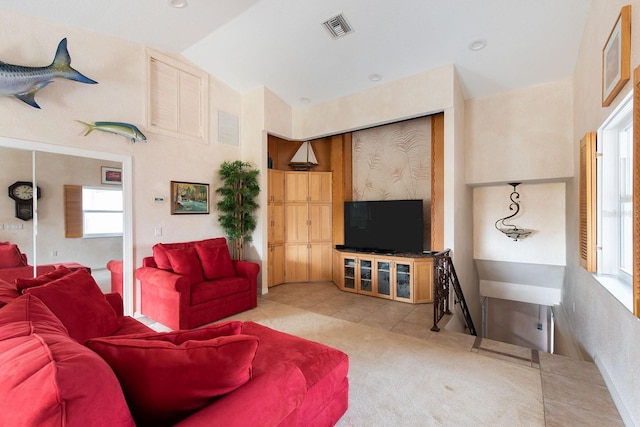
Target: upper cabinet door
x=320, y=187
x=276, y=186
x=296, y=187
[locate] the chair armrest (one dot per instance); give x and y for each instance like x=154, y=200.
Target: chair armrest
x=115, y=300
x=264, y=401
x=168, y=280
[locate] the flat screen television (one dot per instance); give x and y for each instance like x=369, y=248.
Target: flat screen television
x=384, y=226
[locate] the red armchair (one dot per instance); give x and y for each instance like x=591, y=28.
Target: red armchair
x=186, y=285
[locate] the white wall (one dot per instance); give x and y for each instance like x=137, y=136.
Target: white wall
x=520, y=135
x=542, y=209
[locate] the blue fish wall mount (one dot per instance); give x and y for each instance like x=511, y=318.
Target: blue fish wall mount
x=24, y=82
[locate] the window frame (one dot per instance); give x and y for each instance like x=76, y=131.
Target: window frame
x=85, y=211
x=608, y=229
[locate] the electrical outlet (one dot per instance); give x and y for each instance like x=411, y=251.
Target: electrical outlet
x=574, y=306
x=54, y=253
x=158, y=231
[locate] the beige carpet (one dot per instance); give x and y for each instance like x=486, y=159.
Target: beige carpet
x=396, y=380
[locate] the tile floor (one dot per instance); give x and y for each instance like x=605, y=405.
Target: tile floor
x=574, y=392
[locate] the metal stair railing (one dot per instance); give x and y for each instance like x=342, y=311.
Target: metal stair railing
x=444, y=275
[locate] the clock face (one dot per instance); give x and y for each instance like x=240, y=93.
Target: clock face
x=23, y=192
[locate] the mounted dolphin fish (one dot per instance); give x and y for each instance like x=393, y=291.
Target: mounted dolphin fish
x=118, y=128
x=24, y=82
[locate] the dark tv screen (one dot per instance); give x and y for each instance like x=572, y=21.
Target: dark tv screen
x=384, y=226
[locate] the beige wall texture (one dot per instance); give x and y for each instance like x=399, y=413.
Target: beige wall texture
x=120, y=69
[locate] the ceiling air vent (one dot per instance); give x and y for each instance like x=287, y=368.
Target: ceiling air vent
x=338, y=26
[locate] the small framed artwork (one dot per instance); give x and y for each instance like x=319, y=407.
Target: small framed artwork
x=616, y=57
x=111, y=175
x=189, y=198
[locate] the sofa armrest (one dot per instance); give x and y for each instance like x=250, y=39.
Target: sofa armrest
x=264, y=401
x=115, y=301
x=168, y=280
x=247, y=269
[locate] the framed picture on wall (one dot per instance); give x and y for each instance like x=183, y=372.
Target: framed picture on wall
x=111, y=176
x=189, y=198
x=616, y=57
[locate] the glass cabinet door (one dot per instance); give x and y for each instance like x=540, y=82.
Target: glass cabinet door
x=349, y=266
x=383, y=269
x=366, y=276
x=403, y=280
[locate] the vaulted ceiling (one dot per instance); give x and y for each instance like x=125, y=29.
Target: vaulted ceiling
x=283, y=44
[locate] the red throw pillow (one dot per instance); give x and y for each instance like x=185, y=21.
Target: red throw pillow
x=186, y=262
x=215, y=261
x=215, y=241
x=167, y=376
x=60, y=271
x=8, y=292
x=10, y=256
x=160, y=253
x=76, y=299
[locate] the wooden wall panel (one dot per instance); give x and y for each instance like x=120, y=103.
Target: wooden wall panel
x=437, y=182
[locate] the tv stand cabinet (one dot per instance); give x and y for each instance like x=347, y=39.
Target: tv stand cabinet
x=400, y=277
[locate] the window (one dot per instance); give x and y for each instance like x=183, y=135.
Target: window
x=102, y=212
x=614, y=211
x=93, y=211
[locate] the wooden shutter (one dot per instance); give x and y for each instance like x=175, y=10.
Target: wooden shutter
x=73, y=223
x=588, y=202
x=636, y=192
x=178, y=98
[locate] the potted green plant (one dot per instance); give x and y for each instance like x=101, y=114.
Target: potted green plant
x=239, y=191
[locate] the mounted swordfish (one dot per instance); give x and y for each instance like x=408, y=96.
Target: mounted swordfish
x=23, y=82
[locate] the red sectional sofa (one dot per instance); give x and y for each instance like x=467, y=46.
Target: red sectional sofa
x=189, y=284
x=68, y=357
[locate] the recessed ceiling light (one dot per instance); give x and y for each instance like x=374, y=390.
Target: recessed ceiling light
x=478, y=45
x=375, y=77
x=305, y=100
x=178, y=4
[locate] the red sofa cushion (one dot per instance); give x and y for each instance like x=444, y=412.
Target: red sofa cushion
x=24, y=283
x=220, y=288
x=47, y=379
x=10, y=256
x=324, y=368
x=28, y=308
x=76, y=299
x=167, y=376
x=8, y=292
x=185, y=262
x=215, y=260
